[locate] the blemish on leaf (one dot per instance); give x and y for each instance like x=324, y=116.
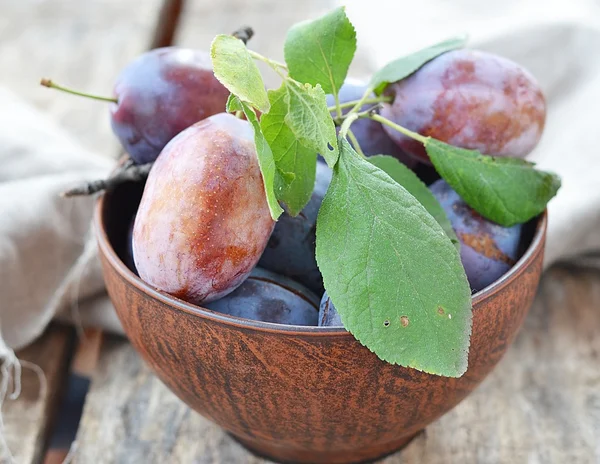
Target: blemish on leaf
x=441, y=310
x=330, y=146
x=449, y=316
x=404, y=321
x=386, y=323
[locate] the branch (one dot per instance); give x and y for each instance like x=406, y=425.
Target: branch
x=129, y=172
x=244, y=33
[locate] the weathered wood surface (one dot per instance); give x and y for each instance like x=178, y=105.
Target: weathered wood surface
x=28, y=420
x=541, y=404
x=83, y=44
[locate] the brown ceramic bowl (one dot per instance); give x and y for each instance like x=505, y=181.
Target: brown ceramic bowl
x=295, y=393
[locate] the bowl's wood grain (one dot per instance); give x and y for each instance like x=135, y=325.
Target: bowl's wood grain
x=297, y=393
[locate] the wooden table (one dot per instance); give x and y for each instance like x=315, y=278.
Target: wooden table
x=541, y=404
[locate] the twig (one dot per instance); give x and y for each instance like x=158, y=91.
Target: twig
x=244, y=33
x=129, y=172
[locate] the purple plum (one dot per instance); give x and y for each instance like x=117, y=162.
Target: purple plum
x=269, y=297
x=328, y=315
x=161, y=93
x=291, y=248
x=469, y=99
x=203, y=221
x=487, y=250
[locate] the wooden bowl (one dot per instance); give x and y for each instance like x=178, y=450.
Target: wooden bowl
x=295, y=393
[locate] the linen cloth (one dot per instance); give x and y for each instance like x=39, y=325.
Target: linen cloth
x=48, y=262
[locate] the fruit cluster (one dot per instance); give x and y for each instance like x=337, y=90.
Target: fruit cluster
x=210, y=228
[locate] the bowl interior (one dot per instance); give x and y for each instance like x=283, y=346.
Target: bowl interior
x=118, y=207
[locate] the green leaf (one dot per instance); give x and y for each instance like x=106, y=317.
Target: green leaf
x=415, y=186
x=320, y=51
x=507, y=191
x=265, y=160
x=295, y=163
x=233, y=104
x=406, y=65
x=234, y=67
x=391, y=272
x=310, y=120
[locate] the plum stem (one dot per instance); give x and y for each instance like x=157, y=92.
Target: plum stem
x=128, y=172
x=381, y=99
x=403, y=130
x=355, y=143
x=48, y=83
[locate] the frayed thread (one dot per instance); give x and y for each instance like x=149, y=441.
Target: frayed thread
x=11, y=370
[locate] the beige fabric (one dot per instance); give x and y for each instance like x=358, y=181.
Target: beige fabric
x=46, y=268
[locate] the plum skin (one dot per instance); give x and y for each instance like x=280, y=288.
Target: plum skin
x=487, y=250
x=470, y=99
x=203, y=220
x=268, y=297
x=371, y=136
x=291, y=248
x=328, y=315
x=161, y=93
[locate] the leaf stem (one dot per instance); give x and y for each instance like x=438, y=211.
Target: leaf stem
x=355, y=143
x=402, y=130
x=276, y=65
x=362, y=100
x=380, y=99
x=51, y=85
x=346, y=124
x=338, y=106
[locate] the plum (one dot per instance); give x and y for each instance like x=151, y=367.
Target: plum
x=469, y=99
x=370, y=134
x=291, y=248
x=203, y=220
x=161, y=93
x=268, y=297
x=328, y=315
x=128, y=259
x=487, y=250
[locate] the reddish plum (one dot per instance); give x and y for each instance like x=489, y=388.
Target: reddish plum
x=487, y=250
x=203, y=221
x=470, y=99
x=269, y=297
x=161, y=93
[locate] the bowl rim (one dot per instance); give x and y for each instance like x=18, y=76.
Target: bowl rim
x=174, y=303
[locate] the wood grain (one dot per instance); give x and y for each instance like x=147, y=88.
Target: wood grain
x=541, y=404
x=82, y=44
x=28, y=420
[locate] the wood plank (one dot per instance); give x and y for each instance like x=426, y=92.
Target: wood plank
x=82, y=44
x=28, y=419
x=541, y=404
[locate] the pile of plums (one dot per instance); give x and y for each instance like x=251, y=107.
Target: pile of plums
x=203, y=232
